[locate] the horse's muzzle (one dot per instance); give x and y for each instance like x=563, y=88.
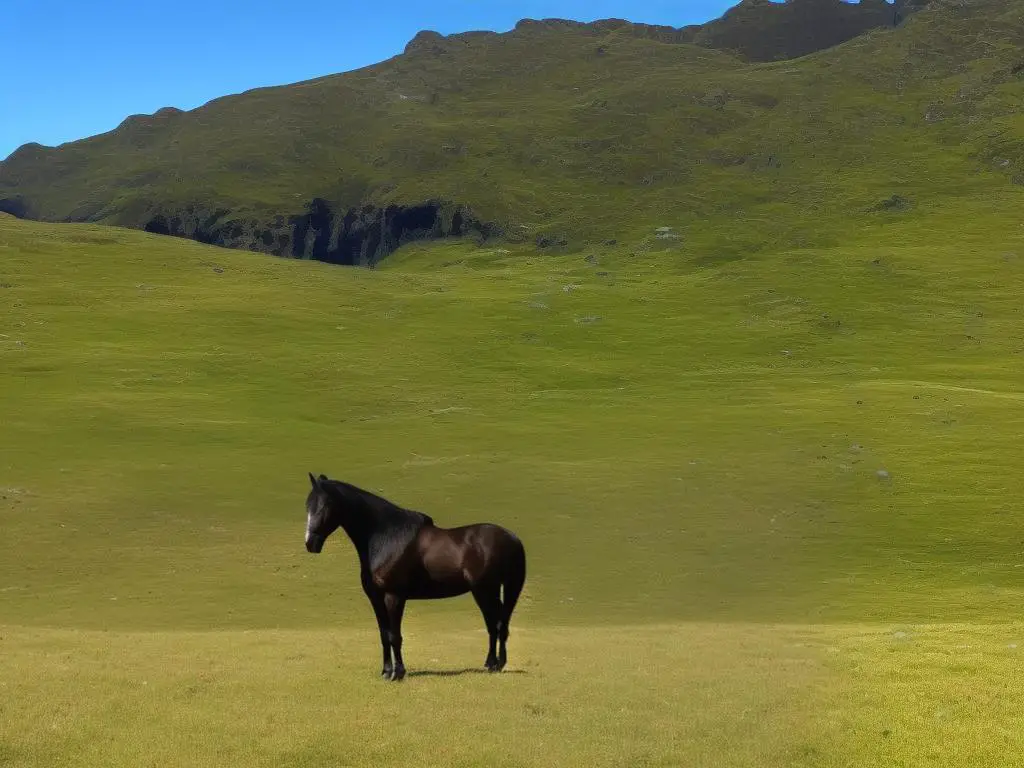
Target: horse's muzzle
x=314, y=543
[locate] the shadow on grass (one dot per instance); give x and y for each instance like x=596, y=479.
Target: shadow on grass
x=460, y=672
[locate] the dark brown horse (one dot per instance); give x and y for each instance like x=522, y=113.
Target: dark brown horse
x=404, y=556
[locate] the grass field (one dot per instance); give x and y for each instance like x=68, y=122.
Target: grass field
x=769, y=506
x=694, y=694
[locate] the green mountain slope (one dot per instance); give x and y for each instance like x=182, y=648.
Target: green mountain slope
x=565, y=134
x=672, y=443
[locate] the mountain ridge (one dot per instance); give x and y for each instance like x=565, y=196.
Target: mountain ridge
x=556, y=133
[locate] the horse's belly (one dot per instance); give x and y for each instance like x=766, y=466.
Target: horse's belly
x=437, y=590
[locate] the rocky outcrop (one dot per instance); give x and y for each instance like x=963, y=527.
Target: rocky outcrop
x=366, y=235
x=14, y=206
x=360, y=236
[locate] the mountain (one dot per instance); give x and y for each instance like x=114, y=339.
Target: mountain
x=570, y=135
x=762, y=30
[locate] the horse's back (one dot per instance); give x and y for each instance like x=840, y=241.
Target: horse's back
x=487, y=535
x=481, y=551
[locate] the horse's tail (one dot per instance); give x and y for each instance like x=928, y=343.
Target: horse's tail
x=513, y=578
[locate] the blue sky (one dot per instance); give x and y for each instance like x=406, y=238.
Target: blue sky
x=74, y=68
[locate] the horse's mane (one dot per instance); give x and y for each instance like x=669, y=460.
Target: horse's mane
x=385, y=513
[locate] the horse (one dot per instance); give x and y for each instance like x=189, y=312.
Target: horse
x=404, y=556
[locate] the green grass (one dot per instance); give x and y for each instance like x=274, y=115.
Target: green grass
x=301, y=698
x=718, y=575
x=728, y=423
x=695, y=694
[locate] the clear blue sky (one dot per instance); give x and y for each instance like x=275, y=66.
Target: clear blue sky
x=75, y=68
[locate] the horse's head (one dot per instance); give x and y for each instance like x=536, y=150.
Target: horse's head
x=321, y=515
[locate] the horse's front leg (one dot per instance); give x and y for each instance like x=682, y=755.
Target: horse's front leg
x=377, y=601
x=395, y=606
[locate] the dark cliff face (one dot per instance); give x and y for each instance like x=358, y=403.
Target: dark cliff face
x=15, y=206
x=361, y=236
x=366, y=235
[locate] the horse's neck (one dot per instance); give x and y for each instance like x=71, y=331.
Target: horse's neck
x=360, y=539
x=380, y=547
x=374, y=531
x=358, y=526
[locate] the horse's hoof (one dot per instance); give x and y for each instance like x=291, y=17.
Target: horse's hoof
x=398, y=675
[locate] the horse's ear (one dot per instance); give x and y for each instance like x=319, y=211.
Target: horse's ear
x=313, y=480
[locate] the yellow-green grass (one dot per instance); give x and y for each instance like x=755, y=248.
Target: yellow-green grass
x=718, y=574
x=694, y=694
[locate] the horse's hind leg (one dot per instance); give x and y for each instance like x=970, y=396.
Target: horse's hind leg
x=489, y=601
x=513, y=582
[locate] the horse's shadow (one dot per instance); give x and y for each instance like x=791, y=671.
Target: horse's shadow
x=460, y=672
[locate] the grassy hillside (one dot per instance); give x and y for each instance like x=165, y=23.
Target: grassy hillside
x=566, y=135
x=718, y=572
x=725, y=422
